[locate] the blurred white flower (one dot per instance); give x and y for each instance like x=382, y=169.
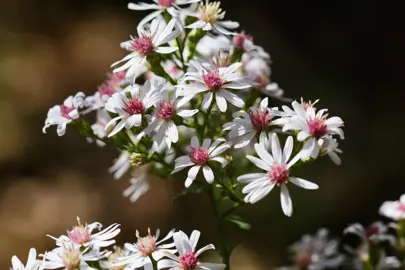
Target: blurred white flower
x=139, y=184
x=394, y=209
x=32, y=262
x=121, y=165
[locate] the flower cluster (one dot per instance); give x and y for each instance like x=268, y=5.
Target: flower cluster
x=84, y=249
x=379, y=246
x=190, y=76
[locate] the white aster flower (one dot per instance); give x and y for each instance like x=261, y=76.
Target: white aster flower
x=131, y=106
x=112, y=259
x=209, y=18
x=394, y=209
x=246, y=125
x=188, y=255
x=162, y=123
x=146, y=247
x=145, y=44
x=61, y=115
x=211, y=45
x=277, y=167
x=160, y=6
x=121, y=165
x=139, y=184
x=215, y=82
x=84, y=235
x=69, y=257
x=312, y=127
x=200, y=156
x=32, y=262
x=243, y=41
x=329, y=146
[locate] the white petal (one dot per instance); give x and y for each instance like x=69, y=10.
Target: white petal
x=259, y=163
x=194, y=142
x=232, y=98
x=288, y=148
x=207, y=101
x=276, y=149
x=221, y=102
x=263, y=154
x=221, y=160
x=166, y=50
x=208, y=174
x=286, y=203
x=303, y=183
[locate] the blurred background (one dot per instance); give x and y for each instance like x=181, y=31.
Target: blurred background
x=349, y=54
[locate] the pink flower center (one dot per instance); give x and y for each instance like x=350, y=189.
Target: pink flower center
x=317, y=127
x=146, y=245
x=166, y=110
x=260, y=119
x=65, y=110
x=278, y=174
x=166, y=3
x=188, y=261
x=401, y=207
x=80, y=235
x=239, y=40
x=213, y=80
x=142, y=45
x=199, y=155
x=134, y=106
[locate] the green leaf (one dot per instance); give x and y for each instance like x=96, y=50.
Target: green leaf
x=238, y=221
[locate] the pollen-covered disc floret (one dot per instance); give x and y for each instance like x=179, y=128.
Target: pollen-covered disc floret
x=147, y=244
x=199, y=155
x=212, y=79
x=166, y=110
x=317, y=127
x=80, y=234
x=142, y=45
x=260, y=119
x=133, y=105
x=188, y=261
x=278, y=174
x=211, y=12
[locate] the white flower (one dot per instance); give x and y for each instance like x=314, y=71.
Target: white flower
x=243, y=41
x=209, y=18
x=188, y=255
x=394, y=209
x=131, y=109
x=83, y=235
x=160, y=6
x=162, y=123
x=139, y=184
x=61, y=115
x=246, y=125
x=113, y=257
x=200, y=156
x=376, y=232
x=211, y=45
x=69, y=257
x=32, y=262
x=329, y=146
x=312, y=126
x=277, y=167
x=215, y=82
x=145, y=44
x=121, y=165
x=98, y=127
x=144, y=248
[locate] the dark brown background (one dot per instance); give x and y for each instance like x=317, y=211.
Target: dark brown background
x=347, y=53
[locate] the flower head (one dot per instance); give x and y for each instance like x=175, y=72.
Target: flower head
x=215, y=82
x=394, y=209
x=32, y=262
x=188, y=258
x=277, y=166
x=199, y=157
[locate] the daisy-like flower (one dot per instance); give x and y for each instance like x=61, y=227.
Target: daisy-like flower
x=329, y=146
x=188, y=255
x=277, y=166
x=209, y=18
x=32, y=262
x=312, y=127
x=200, y=156
x=146, y=247
x=243, y=41
x=148, y=42
x=394, y=209
x=215, y=82
x=83, y=235
x=63, y=114
x=160, y=6
x=113, y=257
x=139, y=184
x=131, y=109
x=121, y=165
x=375, y=233
x=162, y=123
x=69, y=257
x=246, y=125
